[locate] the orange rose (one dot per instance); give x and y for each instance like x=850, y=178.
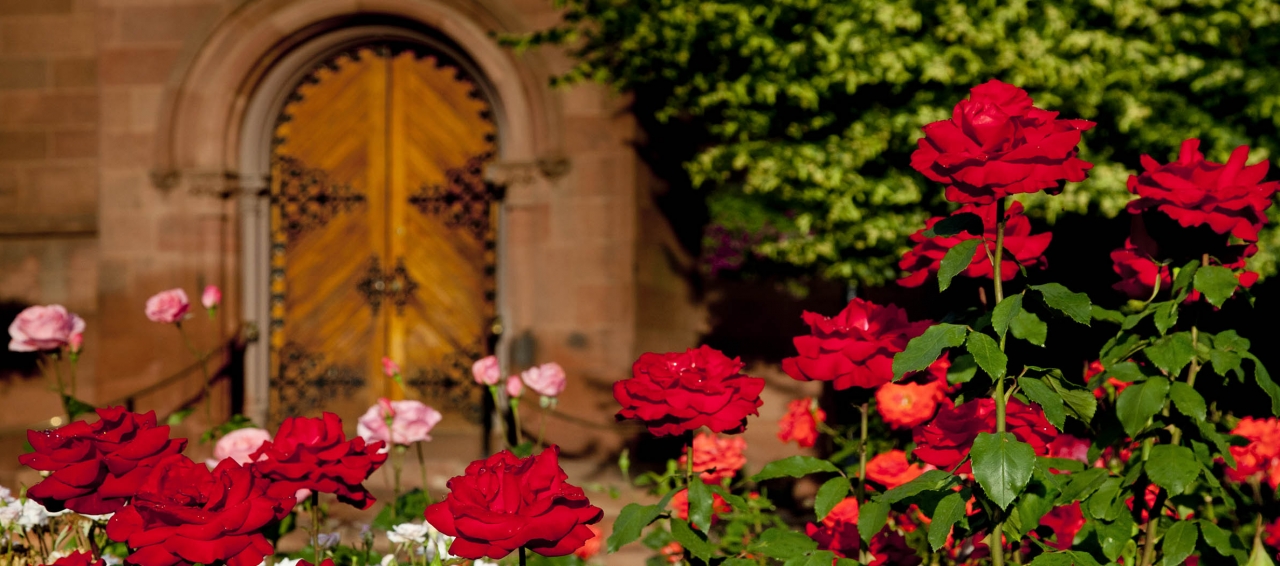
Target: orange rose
x=716, y=458
x=905, y=405
x=592, y=546
x=801, y=422
x=891, y=469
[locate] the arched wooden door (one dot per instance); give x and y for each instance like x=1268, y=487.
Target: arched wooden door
x=382, y=236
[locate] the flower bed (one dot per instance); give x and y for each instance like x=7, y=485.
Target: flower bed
x=985, y=455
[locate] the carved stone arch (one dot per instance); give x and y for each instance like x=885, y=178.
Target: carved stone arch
x=217, y=124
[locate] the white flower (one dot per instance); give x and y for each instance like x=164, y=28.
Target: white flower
x=112, y=560
x=33, y=515
x=9, y=514
x=327, y=540
x=439, y=544
x=6, y=496
x=408, y=532
x=288, y=562
x=389, y=560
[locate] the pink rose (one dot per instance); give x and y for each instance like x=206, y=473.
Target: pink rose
x=212, y=297
x=486, y=370
x=547, y=379
x=390, y=367
x=411, y=421
x=239, y=444
x=168, y=306
x=514, y=387
x=43, y=328
x=76, y=342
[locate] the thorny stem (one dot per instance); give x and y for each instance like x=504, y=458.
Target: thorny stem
x=862, y=455
x=1149, y=542
x=204, y=372
x=996, y=545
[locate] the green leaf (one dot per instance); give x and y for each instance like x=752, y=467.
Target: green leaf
x=699, y=504
x=1263, y=378
x=1219, y=441
x=1166, y=316
x=794, y=467
x=1172, y=467
x=175, y=418
x=1187, y=400
x=958, y=222
x=1183, y=277
x=948, y=511
x=1027, y=326
x=692, y=541
x=931, y=480
x=783, y=544
x=819, y=558
x=75, y=407
x=1220, y=540
x=632, y=520
x=1074, y=305
x=872, y=516
x=1005, y=312
x=1048, y=399
x=987, y=353
x=1099, y=505
x=1217, y=283
x=1179, y=542
x=1171, y=353
x=1083, y=485
x=955, y=261
x=924, y=349
x=962, y=369
x=1068, y=558
x=1139, y=402
x=1260, y=556
x=832, y=492
x=1114, y=535
x=1002, y=465
x=1106, y=315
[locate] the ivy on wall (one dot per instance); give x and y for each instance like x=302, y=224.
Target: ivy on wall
x=798, y=116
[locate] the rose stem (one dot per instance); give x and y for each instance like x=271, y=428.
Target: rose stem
x=62, y=395
x=502, y=419
x=204, y=372
x=422, y=462
x=315, y=524
x=396, y=463
x=996, y=543
x=522, y=558
x=515, y=419
x=542, y=425
x=862, y=455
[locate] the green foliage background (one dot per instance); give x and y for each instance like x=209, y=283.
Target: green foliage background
x=799, y=116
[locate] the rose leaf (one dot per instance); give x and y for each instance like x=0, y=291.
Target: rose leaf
x=948, y=511
x=1004, y=313
x=1048, y=399
x=794, y=467
x=783, y=544
x=1027, y=326
x=1179, y=542
x=1187, y=400
x=872, y=516
x=957, y=260
x=1074, y=305
x=1172, y=467
x=692, y=541
x=1002, y=465
x=987, y=353
x=1217, y=283
x=1139, y=402
x=924, y=349
x=830, y=494
x=1171, y=353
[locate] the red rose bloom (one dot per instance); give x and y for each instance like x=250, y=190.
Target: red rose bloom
x=1230, y=198
x=184, y=514
x=95, y=468
x=1021, y=246
x=1261, y=457
x=1065, y=521
x=891, y=469
x=946, y=440
x=678, y=392
x=503, y=503
x=904, y=405
x=854, y=348
x=839, y=530
x=314, y=454
x=801, y=422
x=78, y=558
x=890, y=549
x=1070, y=448
x=593, y=544
x=997, y=144
x=1138, y=272
x=716, y=458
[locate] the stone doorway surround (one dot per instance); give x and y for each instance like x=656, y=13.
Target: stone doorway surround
x=219, y=111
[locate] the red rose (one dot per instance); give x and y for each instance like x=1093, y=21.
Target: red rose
x=890, y=549
x=905, y=405
x=1021, y=247
x=946, y=440
x=801, y=422
x=997, y=144
x=716, y=458
x=854, y=348
x=503, y=503
x=184, y=514
x=891, y=469
x=593, y=544
x=680, y=391
x=1138, y=272
x=1070, y=448
x=839, y=530
x=1065, y=521
x=1260, y=459
x=95, y=468
x=1229, y=198
x=314, y=454
x=78, y=558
